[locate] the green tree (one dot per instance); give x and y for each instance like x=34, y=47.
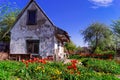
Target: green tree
x=116, y=27
x=97, y=35
x=116, y=31
x=7, y=18
x=70, y=47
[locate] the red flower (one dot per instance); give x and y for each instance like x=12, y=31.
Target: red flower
x=42, y=61
x=75, y=68
x=26, y=62
x=73, y=65
x=30, y=61
x=73, y=61
x=69, y=67
x=23, y=60
x=35, y=59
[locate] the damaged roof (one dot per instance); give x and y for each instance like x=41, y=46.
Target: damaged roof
x=61, y=34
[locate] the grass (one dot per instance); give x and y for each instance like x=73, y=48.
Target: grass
x=106, y=66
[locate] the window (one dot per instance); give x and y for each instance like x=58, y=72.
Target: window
x=31, y=17
x=33, y=46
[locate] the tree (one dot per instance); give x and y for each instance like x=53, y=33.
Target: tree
x=7, y=18
x=97, y=35
x=71, y=47
x=6, y=24
x=116, y=27
x=116, y=31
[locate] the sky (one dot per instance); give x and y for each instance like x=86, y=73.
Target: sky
x=76, y=15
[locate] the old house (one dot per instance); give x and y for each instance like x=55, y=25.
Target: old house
x=33, y=34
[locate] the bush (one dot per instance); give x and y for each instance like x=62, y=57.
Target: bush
x=73, y=56
x=109, y=52
x=105, y=66
x=98, y=51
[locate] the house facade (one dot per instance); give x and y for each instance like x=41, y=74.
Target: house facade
x=33, y=33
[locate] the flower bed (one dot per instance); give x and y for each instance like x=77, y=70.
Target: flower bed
x=43, y=69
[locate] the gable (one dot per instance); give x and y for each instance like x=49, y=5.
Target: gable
x=22, y=17
x=21, y=27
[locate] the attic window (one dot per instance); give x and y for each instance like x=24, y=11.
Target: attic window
x=31, y=17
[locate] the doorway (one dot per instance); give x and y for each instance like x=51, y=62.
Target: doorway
x=33, y=46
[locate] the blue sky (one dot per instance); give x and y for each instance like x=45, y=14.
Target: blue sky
x=76, y=15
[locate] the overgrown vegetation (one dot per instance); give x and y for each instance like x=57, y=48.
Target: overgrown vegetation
x=95, y=69
x=106, y=66
x=70, y=47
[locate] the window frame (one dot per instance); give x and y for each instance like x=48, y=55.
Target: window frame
x=28, y=12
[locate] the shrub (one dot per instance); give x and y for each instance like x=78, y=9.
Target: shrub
x=73, y=56
x=98, y=51
x=109, y=52
x=105, y=66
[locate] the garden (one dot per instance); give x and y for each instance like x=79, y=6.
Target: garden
x=76, y=69
x=97, y=61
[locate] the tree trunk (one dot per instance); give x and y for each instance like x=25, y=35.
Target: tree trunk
x=96, y=45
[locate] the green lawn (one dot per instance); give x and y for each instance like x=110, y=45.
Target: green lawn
x=92, y=69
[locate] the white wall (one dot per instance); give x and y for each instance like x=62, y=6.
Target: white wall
x=59, y=50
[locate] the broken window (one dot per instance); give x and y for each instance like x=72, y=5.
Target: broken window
x=32, y=17
x=33, y=46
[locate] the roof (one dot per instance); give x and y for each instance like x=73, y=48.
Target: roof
x=58, y=31
x=62, y=35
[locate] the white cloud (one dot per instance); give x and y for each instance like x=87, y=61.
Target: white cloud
x=101, y=3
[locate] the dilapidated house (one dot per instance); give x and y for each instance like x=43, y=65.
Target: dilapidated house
x=34, y=34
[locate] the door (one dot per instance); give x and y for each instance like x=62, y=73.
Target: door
x=33, y=46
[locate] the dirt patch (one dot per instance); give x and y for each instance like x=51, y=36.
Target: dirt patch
x=3, y=56
x=118, y=76
x=117, y=59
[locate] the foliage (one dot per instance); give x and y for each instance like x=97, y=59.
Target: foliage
x=8, y=69
x=104, y=66
x=97, y=35
x=70, y=46
x=116, y=27
x=116, y=31
x=11, y=70
x=79, y=50
x=109, y=52
x=98, y=51
x=6, y=25
x=74, y=56
x=7, y=17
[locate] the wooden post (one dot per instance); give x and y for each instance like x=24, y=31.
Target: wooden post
x=19, y=57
